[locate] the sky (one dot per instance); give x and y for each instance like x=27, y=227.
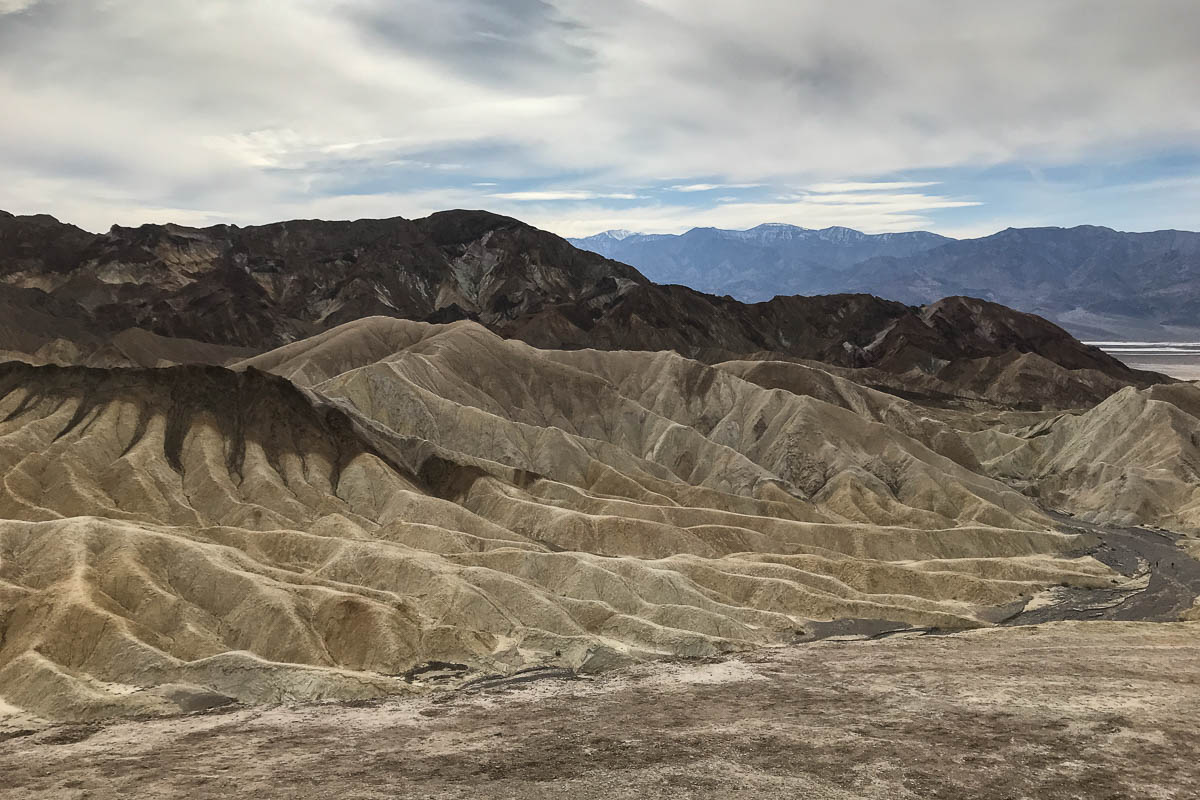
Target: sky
x=579, y=116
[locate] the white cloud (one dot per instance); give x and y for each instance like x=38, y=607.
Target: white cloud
x=269, y=107
x=868, y=186
x=708, y=187
x=15, y=6
x=872, y=213
x=679, y=218
x=563, y=195
x=894, y=201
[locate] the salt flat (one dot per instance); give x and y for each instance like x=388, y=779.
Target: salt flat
x=1177, y=359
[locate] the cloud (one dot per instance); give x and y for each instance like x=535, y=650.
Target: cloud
x=15, y=6
x=268, y=108
x=708, y=187
x=563, y=195
x=912, y=202
x=868, y=186
x=525, y=42
x=877, y=213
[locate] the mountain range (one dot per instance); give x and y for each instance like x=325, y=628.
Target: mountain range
x=312, y=461
x=169, y=293
x=1096, y=282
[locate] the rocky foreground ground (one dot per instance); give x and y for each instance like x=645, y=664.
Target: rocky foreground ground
x=1066, y=710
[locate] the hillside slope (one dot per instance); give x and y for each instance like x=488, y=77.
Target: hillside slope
x=440, y=494
x=76, y=298
x=1132, y=460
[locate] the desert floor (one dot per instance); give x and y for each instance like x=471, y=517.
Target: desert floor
x=1064, y=710
x=1183, y=366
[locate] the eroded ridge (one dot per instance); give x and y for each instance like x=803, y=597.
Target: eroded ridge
x=433, y=493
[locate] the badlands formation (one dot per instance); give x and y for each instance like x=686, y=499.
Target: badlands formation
x=566, y=467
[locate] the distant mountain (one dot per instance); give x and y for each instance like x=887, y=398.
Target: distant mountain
x=1096, y=282
x=756, y=264
x=168, y=294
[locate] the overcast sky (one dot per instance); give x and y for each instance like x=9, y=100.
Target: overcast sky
x=578, y=116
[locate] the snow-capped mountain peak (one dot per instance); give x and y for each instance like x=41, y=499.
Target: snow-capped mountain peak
x=618, y=234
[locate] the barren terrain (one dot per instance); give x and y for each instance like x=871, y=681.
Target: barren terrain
x=1100, y=710
x=399, y=493
x=572, y=533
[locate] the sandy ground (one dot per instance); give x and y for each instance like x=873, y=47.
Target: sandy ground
x=1067, y=710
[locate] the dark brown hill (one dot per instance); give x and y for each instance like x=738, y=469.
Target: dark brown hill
x=69, y=292
x=264, y=285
